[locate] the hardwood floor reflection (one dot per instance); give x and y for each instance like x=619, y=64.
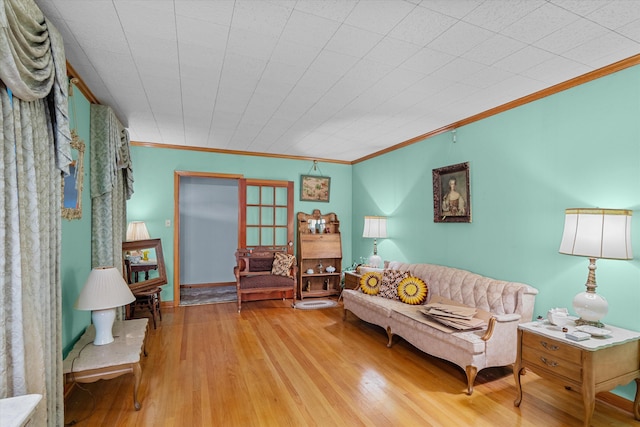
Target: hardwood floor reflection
x=272, y=365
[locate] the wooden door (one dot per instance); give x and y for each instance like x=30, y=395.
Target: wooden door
x=266, y=213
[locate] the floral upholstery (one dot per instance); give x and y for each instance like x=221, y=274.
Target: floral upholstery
x=496, y=296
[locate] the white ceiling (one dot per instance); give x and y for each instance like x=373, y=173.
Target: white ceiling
x=334, y=79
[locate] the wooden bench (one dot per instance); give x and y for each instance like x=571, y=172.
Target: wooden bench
x=253, y=275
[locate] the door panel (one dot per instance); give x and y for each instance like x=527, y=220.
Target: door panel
x=266, y=213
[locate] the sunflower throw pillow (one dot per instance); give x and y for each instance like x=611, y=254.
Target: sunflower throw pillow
x=390, y=281
x=412, y=290
x=282, y=264
x=370, y=282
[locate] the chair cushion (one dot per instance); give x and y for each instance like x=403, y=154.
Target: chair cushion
x=260, y=264
x=265, y=281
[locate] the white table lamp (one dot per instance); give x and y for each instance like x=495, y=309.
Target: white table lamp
x=595, y=233
x=104, y=290
x=375, y=227
x=137, y=230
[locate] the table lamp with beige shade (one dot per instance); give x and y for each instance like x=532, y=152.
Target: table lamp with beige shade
x=595, y=233
x=104, y=291
x=137, y=230
x=375, y=227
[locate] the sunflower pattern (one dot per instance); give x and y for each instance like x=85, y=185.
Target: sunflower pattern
x=412, y=290
x=370, y=283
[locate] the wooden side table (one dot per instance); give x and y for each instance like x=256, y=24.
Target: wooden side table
x=590, y=366
x=143, y=267
x=351, y=280
x=88, y=363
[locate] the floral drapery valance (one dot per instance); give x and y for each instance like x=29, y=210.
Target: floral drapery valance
x=36, y=146
x=111, y=186
x=33, y=66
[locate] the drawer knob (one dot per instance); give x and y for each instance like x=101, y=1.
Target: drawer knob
x=550, y=363
x=549, y=347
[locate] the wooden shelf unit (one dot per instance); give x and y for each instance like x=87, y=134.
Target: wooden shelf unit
x=319, y=249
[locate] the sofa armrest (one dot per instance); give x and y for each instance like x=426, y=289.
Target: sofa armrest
x=501, y=343
x=495, y=320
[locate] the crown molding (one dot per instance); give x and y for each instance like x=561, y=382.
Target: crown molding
x=236, y=152
x=80, y=84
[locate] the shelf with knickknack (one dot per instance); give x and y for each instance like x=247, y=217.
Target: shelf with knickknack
x=319, y=254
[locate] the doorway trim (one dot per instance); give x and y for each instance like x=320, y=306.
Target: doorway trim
x=177, y=175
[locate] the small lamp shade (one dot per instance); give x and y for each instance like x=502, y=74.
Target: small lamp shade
x=375, y=227
x=595, y=233
x=137, y=230
x=104, y=290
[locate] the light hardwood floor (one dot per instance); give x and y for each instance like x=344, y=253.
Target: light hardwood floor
x=272, y=365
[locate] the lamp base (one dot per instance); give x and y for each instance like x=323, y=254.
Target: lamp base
x=591, y=307
x=375, y=261
x=103, y=322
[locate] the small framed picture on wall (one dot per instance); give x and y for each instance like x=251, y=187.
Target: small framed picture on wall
x=314, y=188
x=451, y=194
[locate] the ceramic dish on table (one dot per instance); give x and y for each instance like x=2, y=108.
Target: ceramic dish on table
x=593, y=331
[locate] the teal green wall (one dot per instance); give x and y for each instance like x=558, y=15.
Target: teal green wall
x=76, y=238
x=153, y=199
x=578, y=148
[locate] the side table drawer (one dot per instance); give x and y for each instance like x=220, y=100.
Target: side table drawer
x=552, y=348
x=552, y=362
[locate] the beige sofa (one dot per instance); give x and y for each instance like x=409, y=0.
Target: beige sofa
x=507, y=304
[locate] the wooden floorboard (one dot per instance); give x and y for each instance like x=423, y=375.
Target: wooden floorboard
x=272, y=365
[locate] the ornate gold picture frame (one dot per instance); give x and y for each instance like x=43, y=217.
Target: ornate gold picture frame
x=451, y=194
x=72, y=184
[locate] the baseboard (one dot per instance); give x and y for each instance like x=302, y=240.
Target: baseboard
x=207, y=285
x=616, y=401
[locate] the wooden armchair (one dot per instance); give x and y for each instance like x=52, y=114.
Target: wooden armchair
x=254, y=277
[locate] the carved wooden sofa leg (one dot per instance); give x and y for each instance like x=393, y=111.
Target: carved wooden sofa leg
x=472, y=372
x=390, y=336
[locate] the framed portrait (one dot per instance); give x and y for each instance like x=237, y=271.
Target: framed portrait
x=451, y=195
x=73, y=183
x=314, y=188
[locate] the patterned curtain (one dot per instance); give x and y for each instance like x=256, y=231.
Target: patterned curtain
x=35, y=151
x=111, y=186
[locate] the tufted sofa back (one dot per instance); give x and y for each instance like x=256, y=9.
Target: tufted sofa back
x=496, y=296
